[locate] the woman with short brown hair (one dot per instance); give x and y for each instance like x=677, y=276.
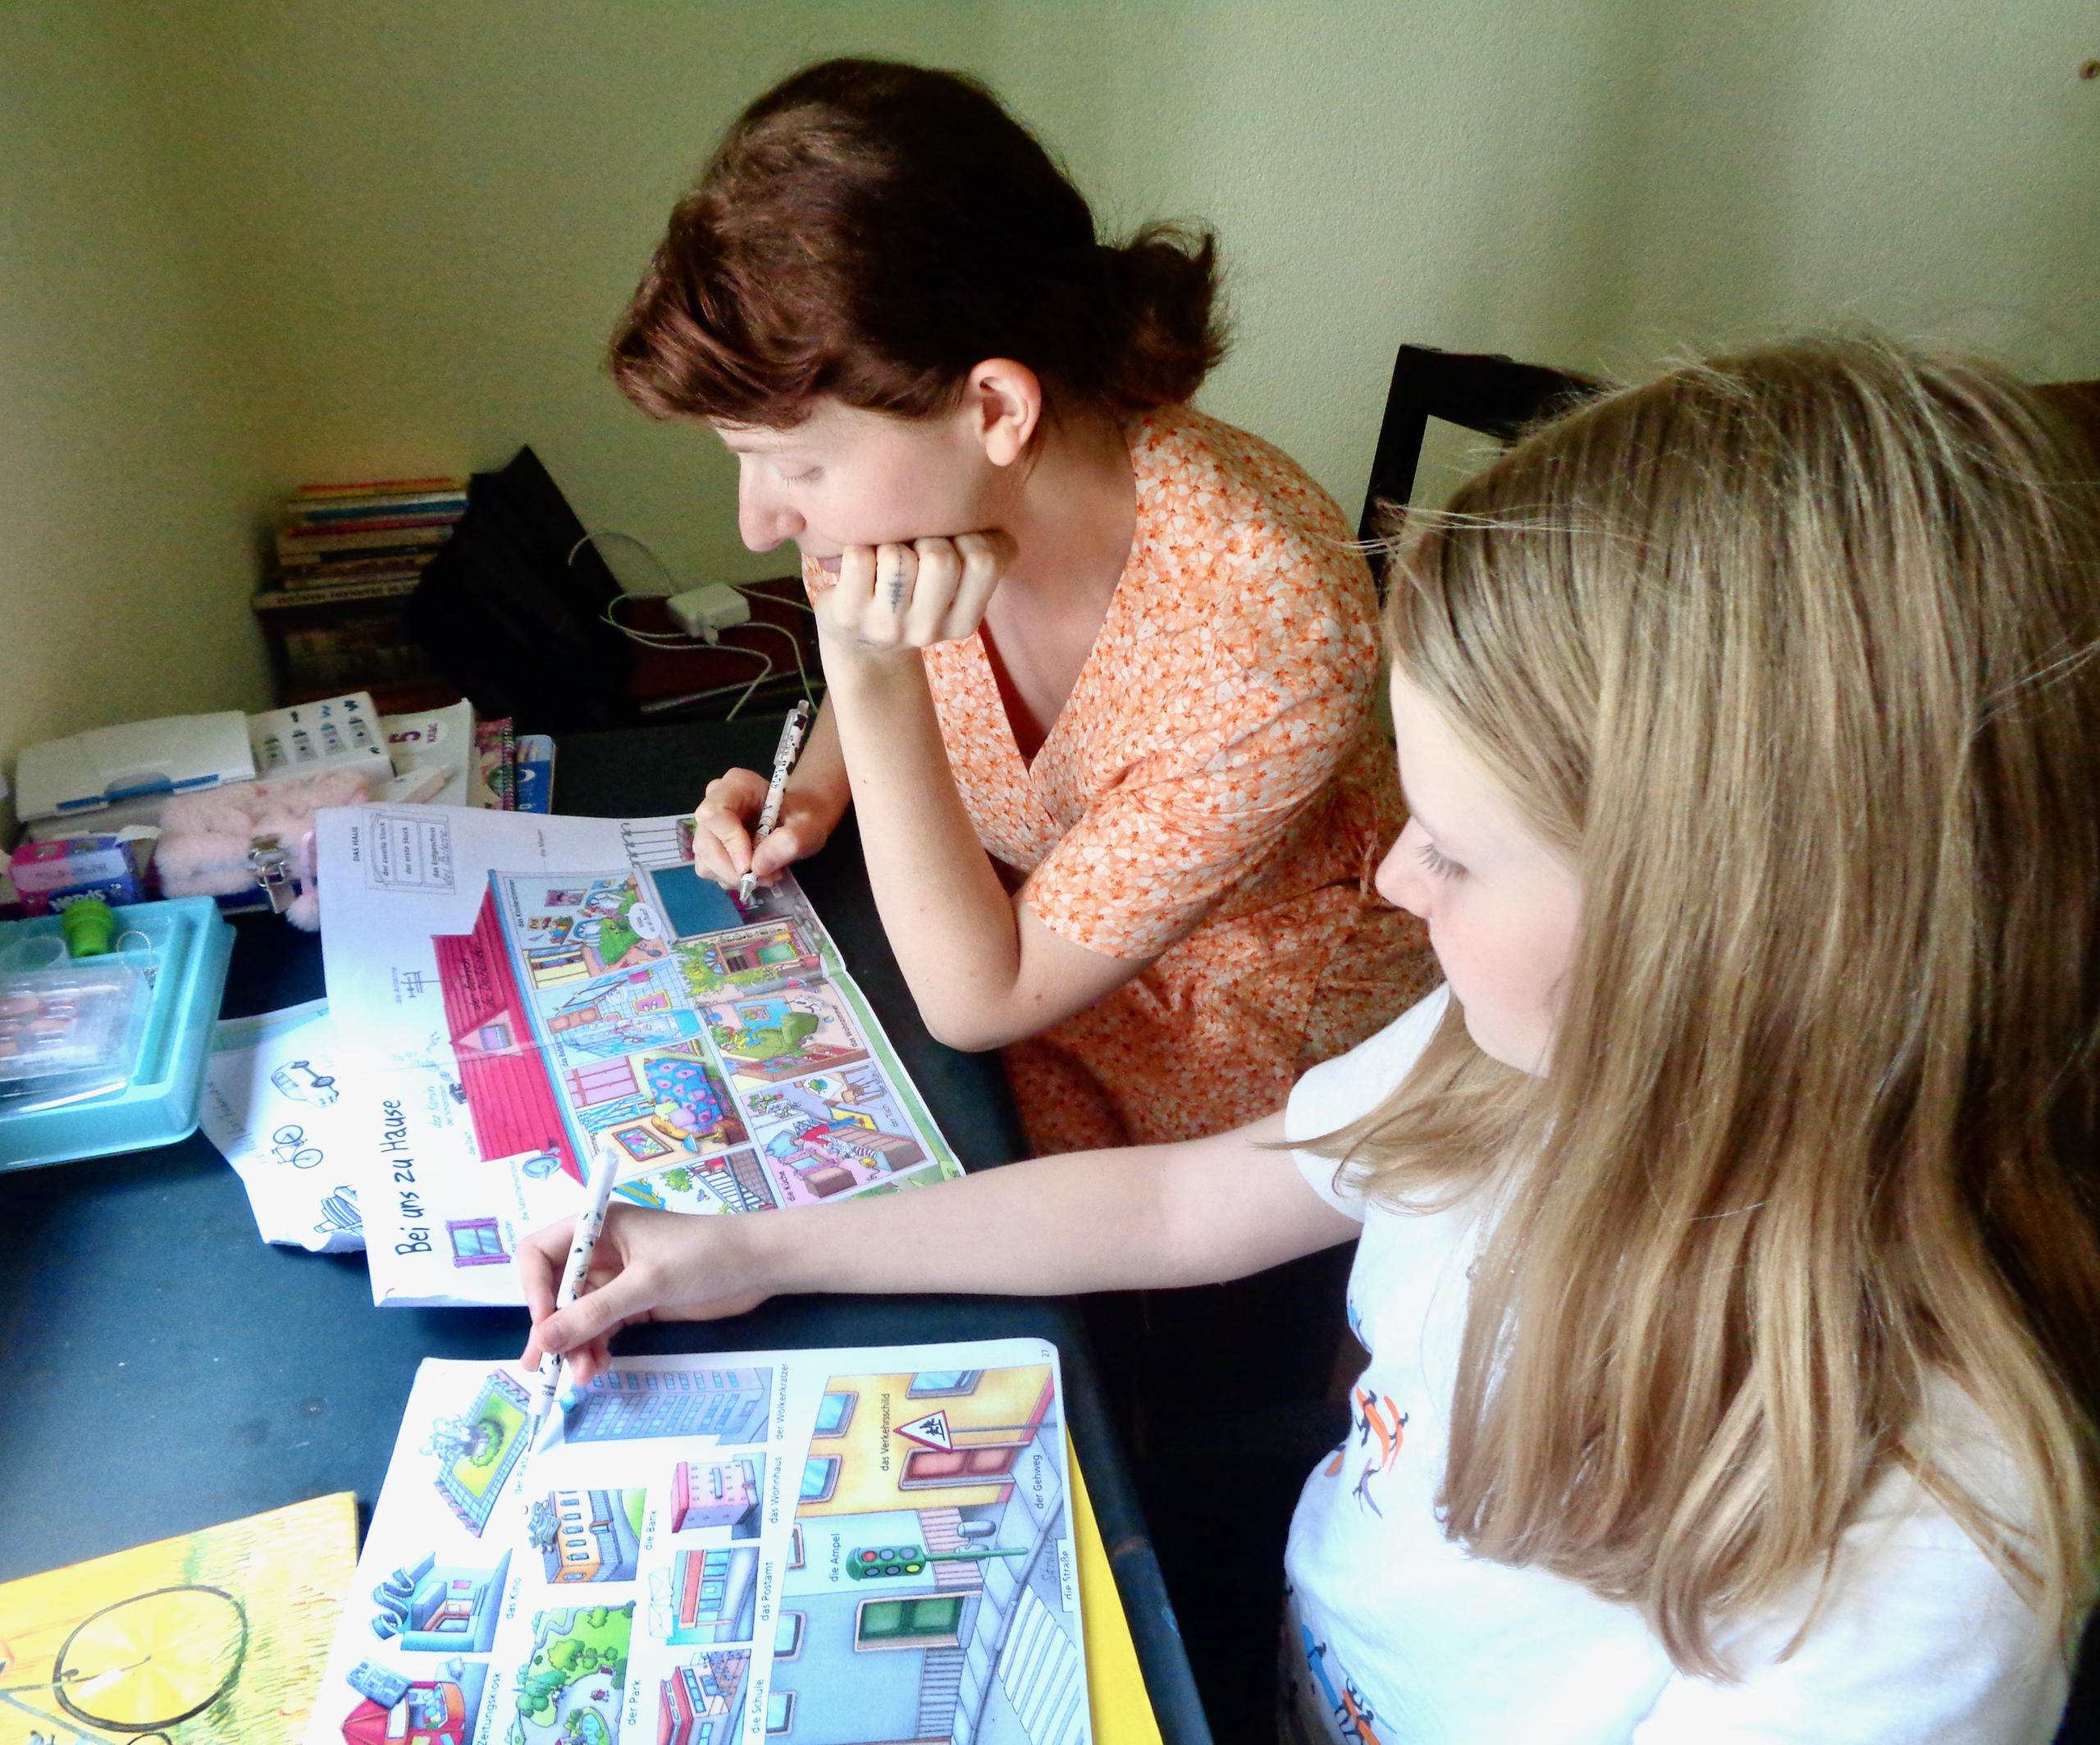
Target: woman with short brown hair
x=1100, y=667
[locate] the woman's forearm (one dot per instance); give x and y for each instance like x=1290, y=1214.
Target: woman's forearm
x=947, y=917
x=983, y=970
x=820, y=771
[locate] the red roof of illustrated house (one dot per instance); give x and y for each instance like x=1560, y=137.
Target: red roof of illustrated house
x=366, y=1724
x=509, y=1093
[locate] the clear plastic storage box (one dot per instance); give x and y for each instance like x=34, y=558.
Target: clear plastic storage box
x=106, y=1053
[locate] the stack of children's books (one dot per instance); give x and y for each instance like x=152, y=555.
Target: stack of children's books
x=368, y=540
x=347, y=558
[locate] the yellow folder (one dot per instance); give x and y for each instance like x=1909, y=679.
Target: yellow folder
x=1116, y=1689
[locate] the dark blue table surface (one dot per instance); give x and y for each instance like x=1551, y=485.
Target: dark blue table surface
x=169, y=1370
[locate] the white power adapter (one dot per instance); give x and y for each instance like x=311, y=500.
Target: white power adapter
x=706, y=612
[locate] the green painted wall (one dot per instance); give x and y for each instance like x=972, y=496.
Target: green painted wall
x=126, y=556
x=341, y=239
x=1591, y=183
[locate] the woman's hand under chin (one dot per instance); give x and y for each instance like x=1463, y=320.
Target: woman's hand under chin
x=892, y=599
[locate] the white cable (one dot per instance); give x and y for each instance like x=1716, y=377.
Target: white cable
x=657, y=705
x=676, y=640
x=646, y=638
x=672, y=639
x=794, y=643
x=592, y=536
x=794, y=599
x=742, y=700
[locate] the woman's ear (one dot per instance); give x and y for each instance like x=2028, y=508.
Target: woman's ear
x=1005, y=400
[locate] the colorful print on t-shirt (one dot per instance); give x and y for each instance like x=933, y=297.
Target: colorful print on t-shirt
x=1377, y=1427
x=1353, y=1714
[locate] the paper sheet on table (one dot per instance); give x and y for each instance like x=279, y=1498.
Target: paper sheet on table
x=273, y=1106
x=518, y=995
x=441, y=739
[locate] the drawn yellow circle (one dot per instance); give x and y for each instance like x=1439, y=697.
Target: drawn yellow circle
x=152, y=1660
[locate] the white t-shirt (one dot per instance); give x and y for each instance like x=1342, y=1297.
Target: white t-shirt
x=1407, y=1636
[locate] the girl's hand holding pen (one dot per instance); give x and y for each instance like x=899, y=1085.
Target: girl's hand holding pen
x=650, y=1266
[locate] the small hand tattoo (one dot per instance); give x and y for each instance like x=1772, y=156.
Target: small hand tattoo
x=897, y=587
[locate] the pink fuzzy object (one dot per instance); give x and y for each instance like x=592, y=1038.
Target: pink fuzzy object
x=205, y=838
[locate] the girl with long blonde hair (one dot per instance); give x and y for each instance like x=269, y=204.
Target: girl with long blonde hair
x=1725, y=1224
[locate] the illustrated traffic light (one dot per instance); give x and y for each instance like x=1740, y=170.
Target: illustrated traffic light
x=866, y=1563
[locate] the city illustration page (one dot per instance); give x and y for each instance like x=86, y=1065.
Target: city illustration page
x=826, y=1547
x=515, y=995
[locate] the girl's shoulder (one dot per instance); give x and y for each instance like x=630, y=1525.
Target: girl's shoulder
x=1911, y=1625
x=1339, y=1092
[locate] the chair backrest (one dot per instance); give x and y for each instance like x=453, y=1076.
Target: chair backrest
x=2078, y=402
x=1496, y=396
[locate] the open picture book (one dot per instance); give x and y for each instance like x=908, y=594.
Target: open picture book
x=511, y=993
x=830, y=1547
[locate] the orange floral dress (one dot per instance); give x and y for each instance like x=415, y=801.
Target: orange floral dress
x=1215, y=796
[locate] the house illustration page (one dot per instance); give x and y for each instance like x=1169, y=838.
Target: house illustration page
x=824, y=1547
x=514, y=992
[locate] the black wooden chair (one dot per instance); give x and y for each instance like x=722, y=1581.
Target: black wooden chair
x=1484, y=392
x=1495, y=395
x=2078, y=404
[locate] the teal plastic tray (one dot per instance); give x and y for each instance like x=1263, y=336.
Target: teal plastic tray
x=188, y=944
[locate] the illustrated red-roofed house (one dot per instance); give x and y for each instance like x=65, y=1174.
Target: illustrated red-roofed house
x=501, y=1071
x=432, y=1715
x=433, y=1711
x=366, y=1724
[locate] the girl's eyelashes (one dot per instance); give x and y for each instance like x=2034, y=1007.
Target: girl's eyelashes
x=1440, y=865
x=809, y=477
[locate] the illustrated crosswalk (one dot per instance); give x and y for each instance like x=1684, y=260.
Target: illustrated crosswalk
x=1041, y=1672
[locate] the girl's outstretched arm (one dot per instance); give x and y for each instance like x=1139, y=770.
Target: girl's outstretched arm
x=1189, y=1213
